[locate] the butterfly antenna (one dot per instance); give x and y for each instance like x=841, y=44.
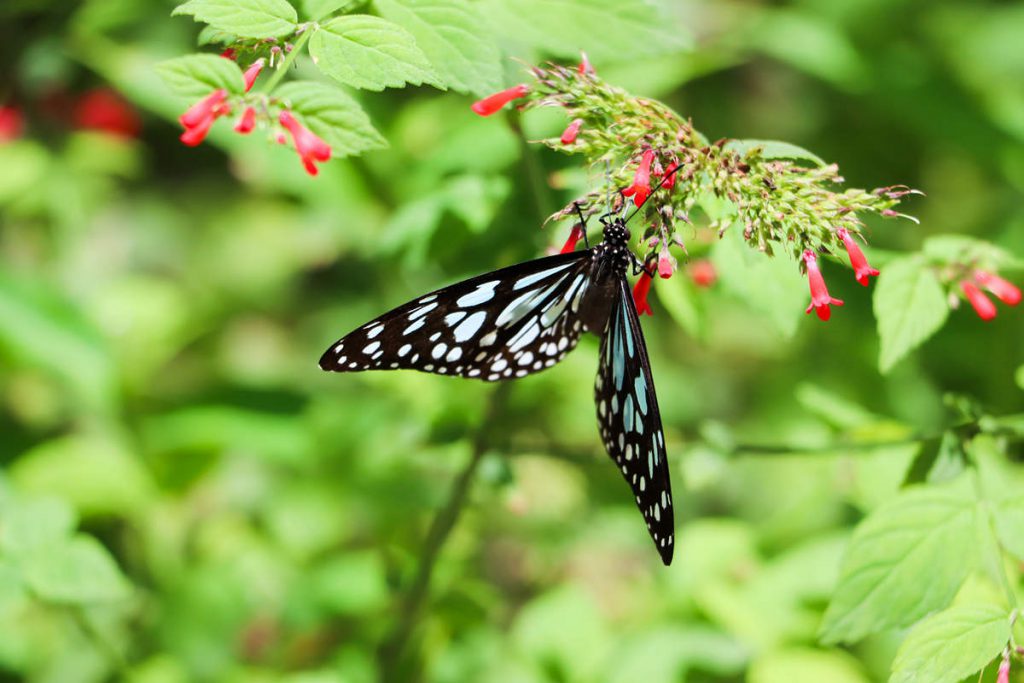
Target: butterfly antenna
x=583, y=224
x=664, y=179
x=608, y=184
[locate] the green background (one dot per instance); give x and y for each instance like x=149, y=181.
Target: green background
x=162, y=310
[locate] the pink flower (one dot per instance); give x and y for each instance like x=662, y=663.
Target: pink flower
x=640, y=290
x=820, y=298
x=585, y=67
x=201, y=115
x=983, y=306
x=666, y=264
x=247, y=122
x=575, y=236
x=1003, y=675
x=1004, y=291
x=494, y=103
x=703, y=273
x=640, y=190
x=252, y=73
x=861, y=269
x=310, y=148
x=571, y=131
x=11, y=123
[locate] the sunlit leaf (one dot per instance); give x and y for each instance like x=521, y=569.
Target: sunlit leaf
x=910, y=307
x=952, y=644
x=333, y=115
x=196, y=76
x=370, y=53
x=245, y=18
x=76, y=571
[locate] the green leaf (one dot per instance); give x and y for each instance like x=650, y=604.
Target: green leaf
x=448, y=32
x=333, y=115
x=773, y=149
x=245, y=18
x=196, y=76
x=28, y=523
x=352, y=583
x=960, y=249
x=318, y=9
x=78, y=571
x=1002, y=483
x=905, y=559
x=910, y=307
x=804, y=665
x=608, y=30
x=370, y=53
x=952, y=645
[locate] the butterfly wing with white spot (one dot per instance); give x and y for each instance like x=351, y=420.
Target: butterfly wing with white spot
x=508, y=323
x=627, y=412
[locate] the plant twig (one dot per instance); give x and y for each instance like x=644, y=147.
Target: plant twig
x=392, y=651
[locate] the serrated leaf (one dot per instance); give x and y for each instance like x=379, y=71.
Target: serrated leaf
x=774, y=149
x=952, y=645
x=78, y=571
x=245, y=18
x=196, y=76
x=333, y=115
x=1002, y=483
x=448, y=32
x=608, y=30
x=904, y=560
x=910, y=307
x=318, y=9
x=370, y=53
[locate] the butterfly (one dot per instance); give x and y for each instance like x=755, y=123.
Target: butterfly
x=522, y=319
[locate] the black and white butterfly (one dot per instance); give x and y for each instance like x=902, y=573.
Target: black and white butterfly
x=522, y=319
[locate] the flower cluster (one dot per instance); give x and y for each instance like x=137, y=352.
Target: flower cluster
x=667, y=168
x=1003, y=290
x=255, y=108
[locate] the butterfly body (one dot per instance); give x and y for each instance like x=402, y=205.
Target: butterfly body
x=524, y=319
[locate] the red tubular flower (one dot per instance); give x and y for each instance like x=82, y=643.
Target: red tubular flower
x=703, y=273
x=640, y=190
x=820, y=298
x=666, y=264
x=861, y=269
x=252, y=73
x=494, y=103
x=201, y=115
x=104, y=110
x=983, y=306
x=575, y=236
x=640, y=290
x=1005, y=291
x=11, y=123
x=229, y=53
x=310, y=148
x=247, y=121
x=1003, y=674
x=585, y=67
x=571, y=131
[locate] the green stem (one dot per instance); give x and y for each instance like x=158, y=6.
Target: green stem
x=307, y=31
x=392, y=651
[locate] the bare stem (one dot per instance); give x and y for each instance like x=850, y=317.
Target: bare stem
x=392, y=652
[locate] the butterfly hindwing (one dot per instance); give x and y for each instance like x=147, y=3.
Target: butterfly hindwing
x=508, y=323
x=627, y=411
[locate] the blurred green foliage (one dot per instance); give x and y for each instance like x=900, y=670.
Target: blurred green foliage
x=185, y=496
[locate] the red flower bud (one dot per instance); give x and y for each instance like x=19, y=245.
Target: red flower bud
x=640, y=290
x=666, y=264
x=861, y=269
x=703, y=273
x=983, y=306
x=252, y=73
x=571, y=131
x=1004, y=291
x=201, y=115
x=820, y=298
x=247, y=122
x=1003, y=674
x=310, y=148
x=494, y=103
x=229, y=53
x=574, y=237
x=11, y=123
x=640, y=190
x=585, y=67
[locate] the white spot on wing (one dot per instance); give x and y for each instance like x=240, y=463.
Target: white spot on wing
x=483, y=293
x=468, y=328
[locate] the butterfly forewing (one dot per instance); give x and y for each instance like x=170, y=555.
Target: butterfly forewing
x=508, y=323
x=627, y=411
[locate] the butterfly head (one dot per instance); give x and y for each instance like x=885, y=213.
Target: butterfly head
x=616, y=233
